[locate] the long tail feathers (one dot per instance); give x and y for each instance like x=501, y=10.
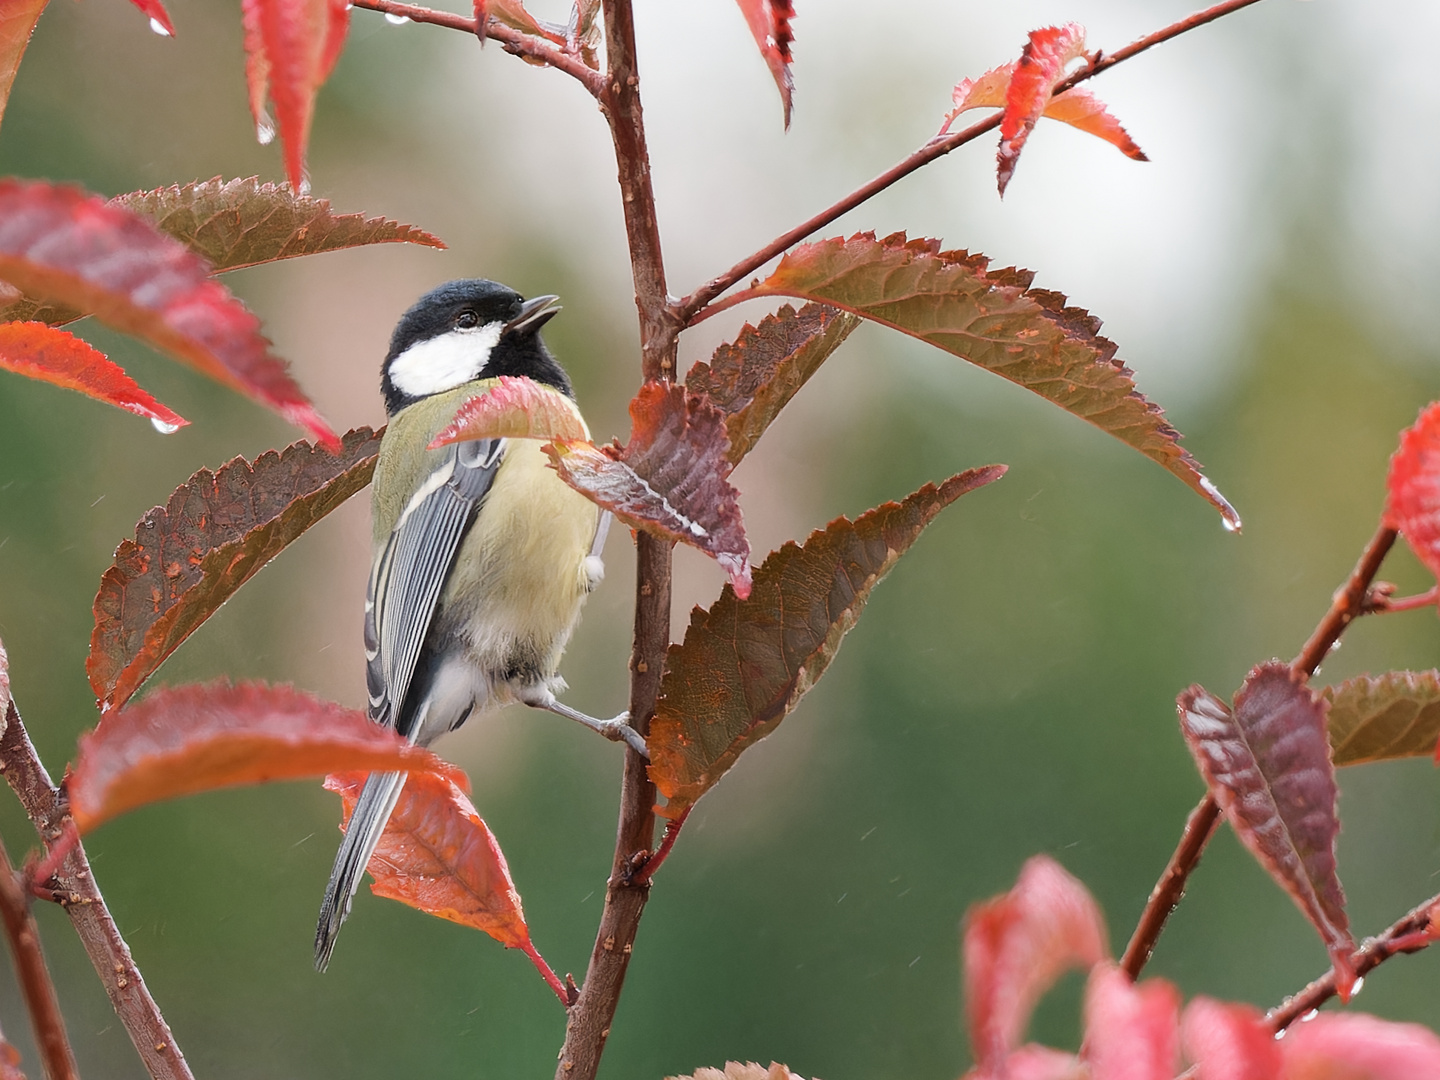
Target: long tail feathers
x=372, y=811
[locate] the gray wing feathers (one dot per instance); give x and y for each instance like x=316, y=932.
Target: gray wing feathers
x=407, y=579
x=405, y=586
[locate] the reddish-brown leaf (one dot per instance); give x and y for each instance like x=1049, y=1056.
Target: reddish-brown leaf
x=293, y=45
x=1267, y=764
x=215, y=533
x=1384, y=717
x=751, y=380
x=17, y=22
x=514, y=407
x=1356, y=1046
x=670, y=479
x=186, y=739
x=159, y=17
x=995, y=320
x=1132, y=1031
x=1412, y=503
x=42, y=352
x=745, y=664
x=237, y=223
x=769, y=22
x=233, y=224
x=438, y=856
x=1077, y=107
x=1229, y=1041
x=61, y=245
x=1016, y=946
x=1041, y=65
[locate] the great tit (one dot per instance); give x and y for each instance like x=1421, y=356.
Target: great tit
x=483, y=555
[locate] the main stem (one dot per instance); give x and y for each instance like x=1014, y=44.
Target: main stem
x=588, y=1024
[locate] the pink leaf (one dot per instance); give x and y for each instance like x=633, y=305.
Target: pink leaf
x=59, y=244
x=1412, y=502
x=769, y=22
x=1017, y=945
x=1229, y=1041
x=514, y=407
x=669, y=479
x=1034, y=1062
x=42, y=352
x=1355, y=1046
x=1267, y=764
x=1132, y=1032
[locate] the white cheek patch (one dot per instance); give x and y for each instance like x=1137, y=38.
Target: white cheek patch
x=444, y=362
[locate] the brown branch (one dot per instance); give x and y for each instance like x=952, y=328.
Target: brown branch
x=511, y=39
x=33, y=975
x=1351, y=601
x=588, y=1025
x=1410, y=933
x=80, y=897
x=1170, y=889
x=689, y=309
x=588, y=1022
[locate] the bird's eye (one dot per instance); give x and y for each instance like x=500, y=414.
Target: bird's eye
x=467, y=320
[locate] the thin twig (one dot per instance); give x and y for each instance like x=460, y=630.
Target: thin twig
x=81, y=899
x=1410, y=933
x=690, y=309
x=1350, y=601
x=512, y=40
x=33, y=974
x=1386, y=605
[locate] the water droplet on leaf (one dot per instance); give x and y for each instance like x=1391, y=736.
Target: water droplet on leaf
x=163, y=427
x=159, y=28
x=396, y=20
x=264, y=131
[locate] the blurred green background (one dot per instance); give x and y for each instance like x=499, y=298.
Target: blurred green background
x=1270, y=276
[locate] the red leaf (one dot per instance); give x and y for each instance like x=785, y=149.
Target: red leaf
x=1017, y=945
x=438, y=856
x=669, y=479
x=216, y=532
x=292, y=46
x=1412, y=503
x=157, y=14
x=1268, y=766
x=769, y=22
x=995, y=320
x=1132, y=1032
x=1041, y=66
x=257, y=72
x=1077, y=107
x=17, y=21
x=1356, y=1046
x=514, y=407
x=1229, y=1041
x=745, y=664
x=186, y=739
x=59, y=244
x=42, y=352
x=751, y=380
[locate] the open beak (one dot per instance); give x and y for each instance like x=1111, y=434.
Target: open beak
x=534, y=313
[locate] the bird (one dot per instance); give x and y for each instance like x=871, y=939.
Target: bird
x=483, y=556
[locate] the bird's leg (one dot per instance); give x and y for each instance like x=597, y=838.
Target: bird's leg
x=616, y=729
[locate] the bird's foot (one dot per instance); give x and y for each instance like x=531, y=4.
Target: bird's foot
x=616, y=729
